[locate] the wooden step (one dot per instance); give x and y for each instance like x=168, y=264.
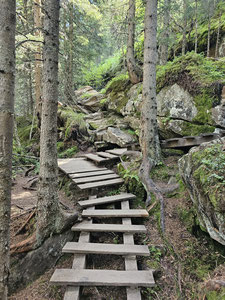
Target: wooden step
x=109, y=228
x=102, y=278
x=113, y=213
x=106, y=200
x=107, y=155
x=95, y=158
x=98, y=184
x=87, y=174
x=117, y=151
x=77, y=165
x=98, y=248
x=96, y=178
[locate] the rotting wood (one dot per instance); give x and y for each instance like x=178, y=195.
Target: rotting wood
x=99, y=248
x=116, y=213
x=102, y=278
x=24, y=246
x=26, y=222
x=107, y=200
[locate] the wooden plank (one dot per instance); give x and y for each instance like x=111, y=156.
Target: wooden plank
x=95, y=158
x=112, y=213
x=96, y=178
x=99, y=248
x=107, y=200
x=79, y=262
x=116, y=151
x=102, y=278
x=77, y=165
x=109, y=227
x=87, y=174
x=130, y=261
x=107, y=155
x=98, y=184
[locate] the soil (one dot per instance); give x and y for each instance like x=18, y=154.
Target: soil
x=179, y=258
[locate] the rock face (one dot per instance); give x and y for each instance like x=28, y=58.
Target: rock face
x=202, y=171
x=176, y=103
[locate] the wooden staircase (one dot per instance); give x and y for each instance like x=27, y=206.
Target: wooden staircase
x=79, y=276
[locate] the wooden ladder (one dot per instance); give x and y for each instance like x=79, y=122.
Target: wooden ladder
x=131, y=277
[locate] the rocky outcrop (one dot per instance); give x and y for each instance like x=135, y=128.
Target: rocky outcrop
x=89, y=98
x=202, y=171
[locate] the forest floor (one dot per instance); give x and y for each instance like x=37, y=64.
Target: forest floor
x=186, y=263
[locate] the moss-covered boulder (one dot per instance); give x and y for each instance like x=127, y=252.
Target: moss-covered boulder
x=89, y=98
x=202, y=171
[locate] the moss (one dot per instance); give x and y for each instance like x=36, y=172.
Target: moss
x=190, y=129
x=120, y=100
x=215, y=295
x=208, y=171
x=118, y=83
x=86, y=95
x=192, y=71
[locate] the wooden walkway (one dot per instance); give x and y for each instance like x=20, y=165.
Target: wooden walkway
x=88, y=176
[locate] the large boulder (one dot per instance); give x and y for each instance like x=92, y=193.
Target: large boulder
x=176, y=103
x=89, y=98
x=202, y=171
x=118, y=137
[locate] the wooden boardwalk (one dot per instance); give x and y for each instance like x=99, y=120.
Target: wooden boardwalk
x=78, y=275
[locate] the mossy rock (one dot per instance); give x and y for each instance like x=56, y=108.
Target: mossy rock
x=202, y=171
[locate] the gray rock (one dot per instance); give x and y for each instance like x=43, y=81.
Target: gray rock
x=118, y=137
x=176, y=103
x=208, y=196
x=222, y=47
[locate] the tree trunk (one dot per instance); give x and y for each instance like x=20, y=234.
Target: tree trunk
x=7, y=70
x=149, y=139
x=196, y=26
x=69, y=91
x=134, y=71
x=184, y=42
x=218, y=37
x=165, y=37
x=50, y=218
x=209, y=35
x=38, y=58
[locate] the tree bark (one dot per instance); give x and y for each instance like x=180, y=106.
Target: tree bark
x=218, y=37
x=209, y=34
x=184, y=42
x=149, y=139
x=50, y=219
x=165, y=37
x=134, y=71
x=38, y=58
x=7, y=73
x=196, y=26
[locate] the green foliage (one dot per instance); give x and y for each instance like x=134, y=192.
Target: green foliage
x=70, y=152
x=203, y=72
x=98, y=75
x=216, y=295
x=71, y=119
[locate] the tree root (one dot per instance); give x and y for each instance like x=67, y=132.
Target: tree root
x=151, y=187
